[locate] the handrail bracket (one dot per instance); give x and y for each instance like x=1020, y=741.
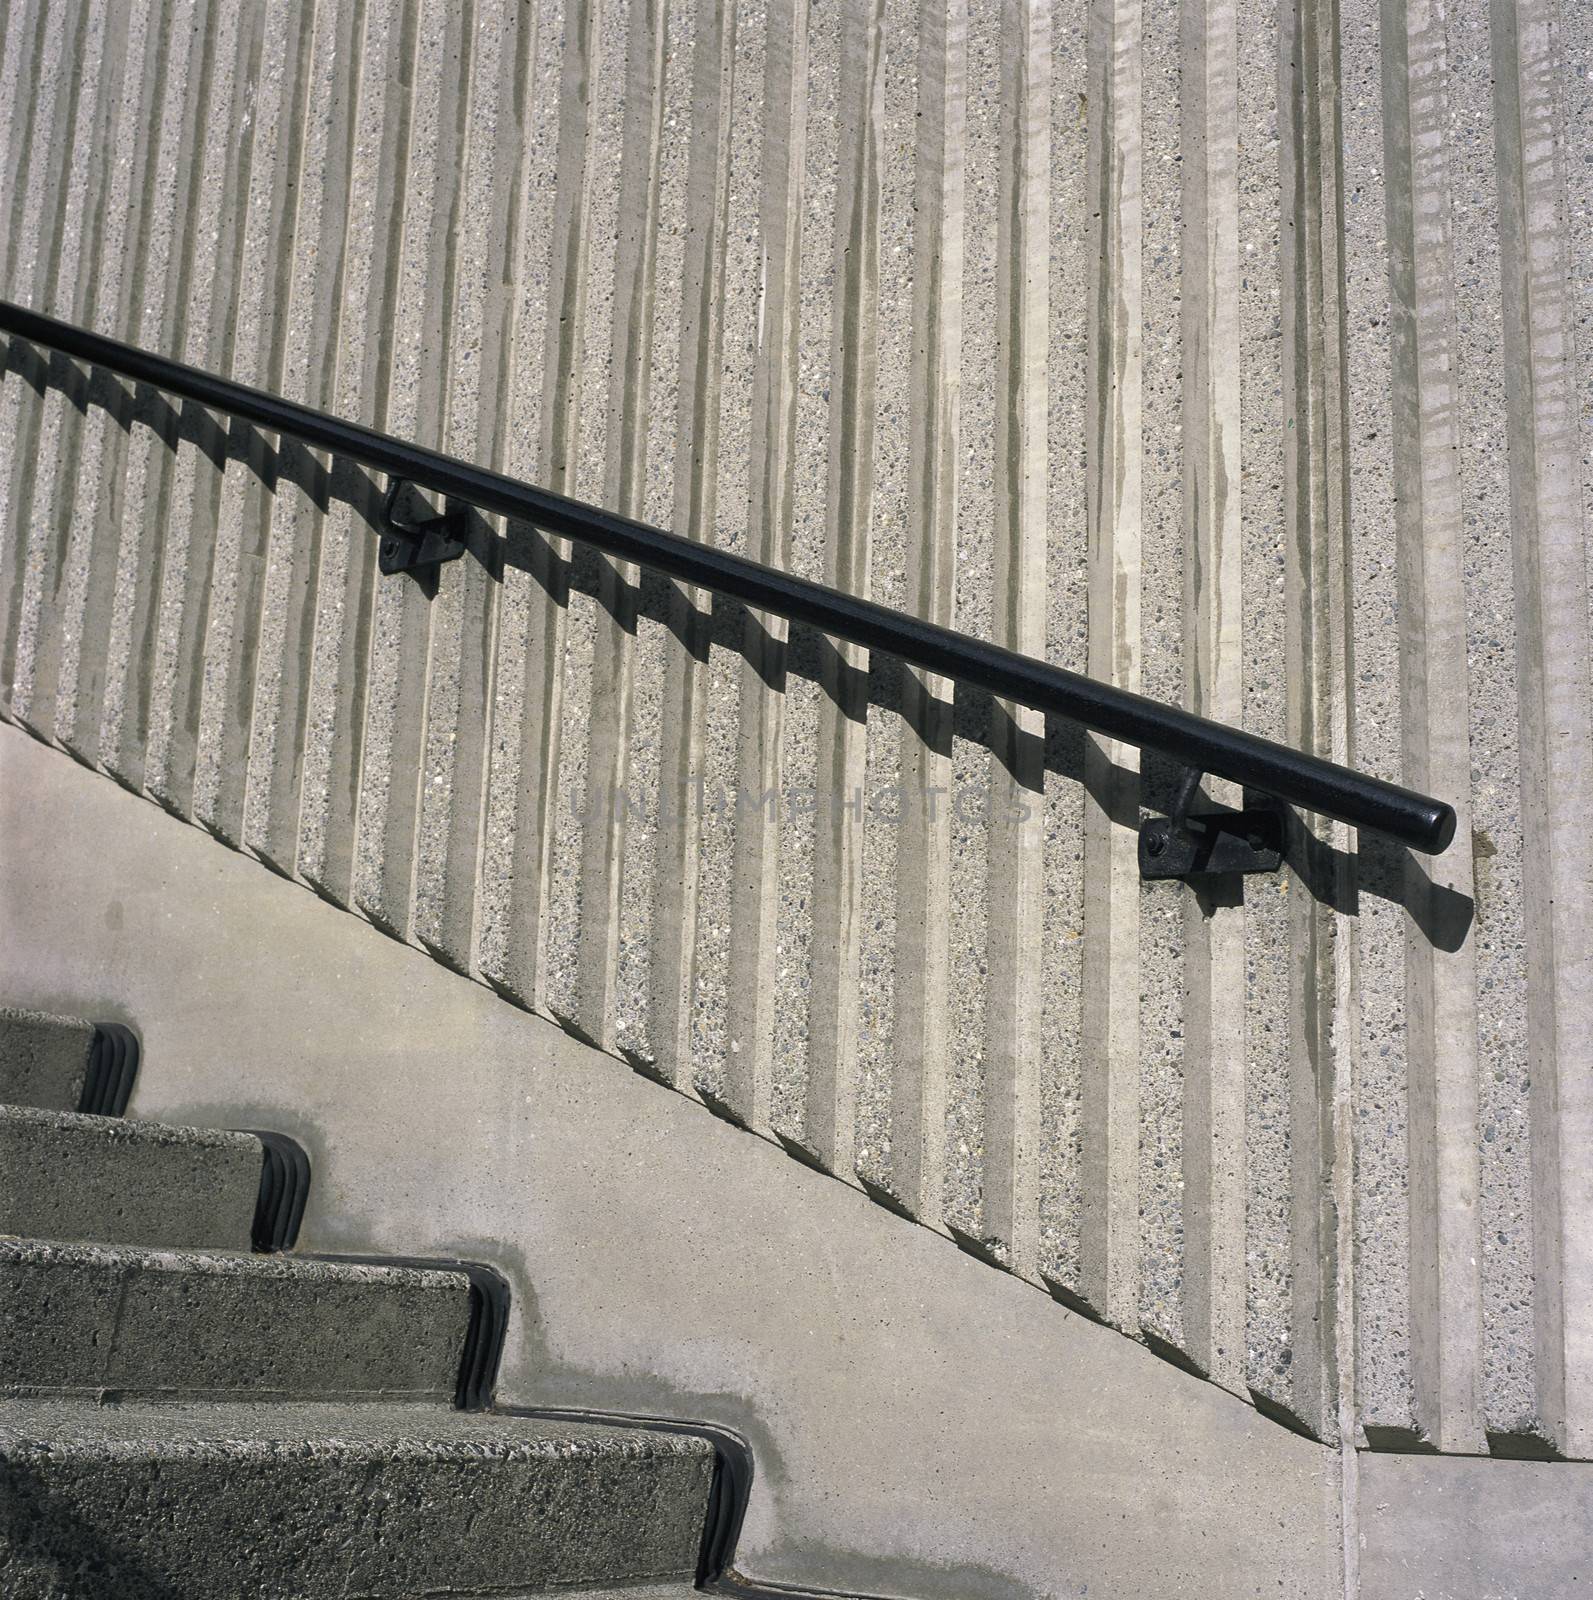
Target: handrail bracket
x=419, y=547
x=1203, y=844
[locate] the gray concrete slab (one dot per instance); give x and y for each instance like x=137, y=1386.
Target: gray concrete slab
x=1469, y=1528
x=279, y=1501
x=923, y=1426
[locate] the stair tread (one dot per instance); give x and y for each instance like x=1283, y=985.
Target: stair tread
x=309, y=1497
x=74, y=1175
x=126, y=1130
x=140, y=1429
x=15, y=1250
x=97, y=1318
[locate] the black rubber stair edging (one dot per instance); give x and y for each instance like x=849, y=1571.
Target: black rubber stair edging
x=112, y=1065
x=284, y=1187
x=489, y=1323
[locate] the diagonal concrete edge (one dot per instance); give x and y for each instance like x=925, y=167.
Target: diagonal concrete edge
x=921, y=1425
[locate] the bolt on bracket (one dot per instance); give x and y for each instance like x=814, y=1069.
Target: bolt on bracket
x=419, y=547
x=1186, y=844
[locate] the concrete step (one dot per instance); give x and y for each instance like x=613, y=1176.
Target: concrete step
x=92, y=1319
x=319, y=1499
x=67, y=1176
x=65, y=1064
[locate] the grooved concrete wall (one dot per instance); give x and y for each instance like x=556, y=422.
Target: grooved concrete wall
x=1226, y=350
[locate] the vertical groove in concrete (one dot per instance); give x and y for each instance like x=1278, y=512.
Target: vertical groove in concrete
x=1165, y=967
x=1110, y=1112
x=1316, y=640
x=422, y=351
x=835, y=910
x=675, y=907
x=1330, y=1369
x=923, y=863
x=1441, y=984
x=1297, y=1004
x=152, y=448
x=654, y=263
x=1503, y=1132
x=532, y=640
x=809, y=813
x=1573, y=121
x=243, y=526
x=309, y=373
x=527, y=672
x=22, y=102
x=1385, y=1393
x=53, y=590
x=21, y=37
x=604, y=93
x=973, y=559
x=1552, y=647
x=1016, y=782
x=345, y=587
x=1062, y=1045
x=61, y=285
x=124, y=285
x=464, y=614
x=218, y=221
x=1262, y=439
x=68, y=500
x=124, y=725
x=758, y=793
x=890, y=405
x=37, y=230
x=742, y=331
x=1213, y=1165
x=605, y=857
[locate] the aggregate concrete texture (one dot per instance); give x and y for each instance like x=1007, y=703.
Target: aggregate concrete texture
x=64, y=1176
x=44, y=1060
x=89, y=1319
x=287, y=1501
x=922, y=1426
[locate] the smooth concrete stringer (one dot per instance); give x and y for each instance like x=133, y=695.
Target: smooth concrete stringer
x=1465, y=1528
x=921, y=1425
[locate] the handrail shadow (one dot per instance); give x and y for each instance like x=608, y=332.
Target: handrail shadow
x=1333, y=877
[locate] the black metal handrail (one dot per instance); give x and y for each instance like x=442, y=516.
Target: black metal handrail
x=1199, y=744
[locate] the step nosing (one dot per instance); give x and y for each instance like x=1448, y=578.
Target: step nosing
x=90, y=1126
x=64, y=1254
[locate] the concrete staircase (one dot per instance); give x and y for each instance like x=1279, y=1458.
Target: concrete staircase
x=1228, y=350
x=180, y=1416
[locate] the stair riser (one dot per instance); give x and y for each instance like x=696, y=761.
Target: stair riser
x=280, y=1522
x=44, y=1061
x=277, y=1329
x=77, y=1178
